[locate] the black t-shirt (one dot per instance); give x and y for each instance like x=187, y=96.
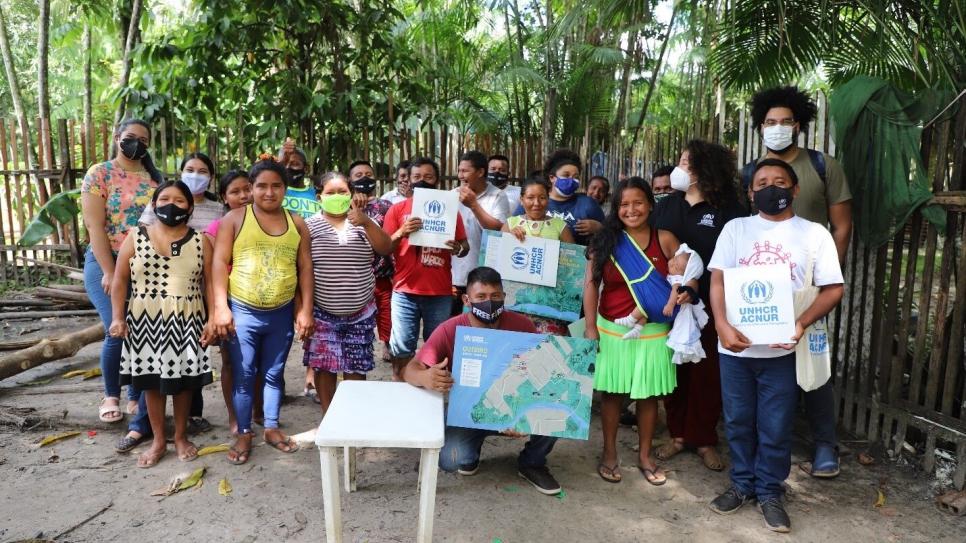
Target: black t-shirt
x=699, y=226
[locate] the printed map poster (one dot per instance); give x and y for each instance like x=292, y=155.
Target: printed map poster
x=759, y=303
x=533, y=260
x=438, y=209
x=532, y=383
x=562, y=302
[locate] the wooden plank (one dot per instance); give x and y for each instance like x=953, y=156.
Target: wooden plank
x=937, y=358
x=925, y=300
x=868, y=365
x=895, y=381
x=18, y=194
x=884, y=345
x=9, y=210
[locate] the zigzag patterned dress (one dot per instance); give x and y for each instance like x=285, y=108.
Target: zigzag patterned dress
x=165, y=317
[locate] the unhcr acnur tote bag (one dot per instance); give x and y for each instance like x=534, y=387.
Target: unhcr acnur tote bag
x=813, y=359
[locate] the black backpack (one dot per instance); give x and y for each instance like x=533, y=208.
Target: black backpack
x=817, y=158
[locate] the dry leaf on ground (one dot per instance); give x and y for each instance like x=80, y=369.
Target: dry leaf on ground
x=50, y=439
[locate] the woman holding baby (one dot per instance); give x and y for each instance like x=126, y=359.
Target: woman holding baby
x=706, y=199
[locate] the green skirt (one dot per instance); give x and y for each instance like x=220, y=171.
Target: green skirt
x=640, y=367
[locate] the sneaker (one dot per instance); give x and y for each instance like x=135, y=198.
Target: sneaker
x=469, y=469
x=541, y=479
x=729, y=502
x=776, y=519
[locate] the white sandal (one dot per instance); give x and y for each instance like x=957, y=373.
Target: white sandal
x=105, y=409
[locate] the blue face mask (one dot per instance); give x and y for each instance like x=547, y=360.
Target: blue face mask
x=566, y=186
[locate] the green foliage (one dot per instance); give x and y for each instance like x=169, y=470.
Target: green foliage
x=60, y=208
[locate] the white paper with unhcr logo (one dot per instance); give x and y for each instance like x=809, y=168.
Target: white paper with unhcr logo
x=532, y=261
x=759, y=303
x=438, y=209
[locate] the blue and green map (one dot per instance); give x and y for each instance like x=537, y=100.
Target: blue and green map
x=562, y=302
x=531, y=383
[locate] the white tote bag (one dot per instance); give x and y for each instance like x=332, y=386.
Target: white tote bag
x=813, y=358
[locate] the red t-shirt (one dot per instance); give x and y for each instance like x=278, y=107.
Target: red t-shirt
x=442, y=342
x=615, y=298
x=426, y=271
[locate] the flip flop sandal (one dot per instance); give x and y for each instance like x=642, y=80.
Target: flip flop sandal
x=655, y=481
x=667, y=451
x=156, y=456
x=127, y=443
x=291, y=443
x=198, y=425
x=105, y=409
x=241, y=454
x=313, y=395
x=190, y=457
x=131, y=410
x=608, y=473
x=711, y=459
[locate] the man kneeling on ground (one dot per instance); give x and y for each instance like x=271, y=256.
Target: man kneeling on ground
x=430, y=369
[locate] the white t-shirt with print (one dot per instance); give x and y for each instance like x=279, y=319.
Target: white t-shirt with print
x=494, y=202
x=755, y=241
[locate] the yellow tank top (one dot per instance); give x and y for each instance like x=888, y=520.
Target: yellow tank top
x=263, y=267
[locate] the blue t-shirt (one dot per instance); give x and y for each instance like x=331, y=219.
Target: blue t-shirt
x=578, y=208
x=301, y=201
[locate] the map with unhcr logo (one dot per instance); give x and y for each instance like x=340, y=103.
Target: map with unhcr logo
x=561, y=302
x=532, y=383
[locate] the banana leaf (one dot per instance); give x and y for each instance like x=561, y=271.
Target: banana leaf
x=61, y=208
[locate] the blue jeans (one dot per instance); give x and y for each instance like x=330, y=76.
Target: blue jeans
x=461, y=447
x=111, y=350
x=262, y=340
x=140, y=423
x=759, y=396
x=406, y=311
x=820, y=411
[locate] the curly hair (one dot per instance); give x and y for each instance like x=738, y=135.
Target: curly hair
x=716, y=169
x=791, y=97
x=602, y=243
x=558, y=159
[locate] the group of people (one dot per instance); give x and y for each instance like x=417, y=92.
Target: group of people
x=278, y=255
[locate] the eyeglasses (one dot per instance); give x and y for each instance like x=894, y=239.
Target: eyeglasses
x=783, y=122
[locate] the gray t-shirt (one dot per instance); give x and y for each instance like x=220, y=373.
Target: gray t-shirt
x=203, y=215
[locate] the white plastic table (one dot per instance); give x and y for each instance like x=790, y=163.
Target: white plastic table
x=380, y=414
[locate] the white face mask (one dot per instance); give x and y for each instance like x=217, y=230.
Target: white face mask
x=778, y=138
x=680, y=179
x=196, y=182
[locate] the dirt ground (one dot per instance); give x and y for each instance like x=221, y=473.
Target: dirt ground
x=91, y=493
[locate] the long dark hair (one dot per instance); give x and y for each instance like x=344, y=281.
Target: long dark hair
x=717, y=171
x=226, y=181
x=211, y=170
x=178, y=184
x=146, y=159
x=268, y=164
x=603, y=243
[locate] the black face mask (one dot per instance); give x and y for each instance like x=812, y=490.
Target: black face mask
x=773, y=200
x=366, y=185
x=172, y=215
x=497, y=179
x=487, y=312
x=295, y=176
x=422, y=185
x=133, y=149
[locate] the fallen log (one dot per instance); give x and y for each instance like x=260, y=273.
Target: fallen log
x=76, y=388
x=81, y=297
x=16, y=345
x=51, y=264
x=48, y=350
x=68, y=288
x=26, y=303
x=15, y=315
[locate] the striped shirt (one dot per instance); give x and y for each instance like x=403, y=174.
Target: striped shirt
x=342, y=264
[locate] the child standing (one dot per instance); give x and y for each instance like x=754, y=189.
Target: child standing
x=268, y=249
x=165, y=338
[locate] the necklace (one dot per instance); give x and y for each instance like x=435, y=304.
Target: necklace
x=535, y=225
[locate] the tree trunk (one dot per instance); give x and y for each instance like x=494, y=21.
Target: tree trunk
x=43, y=51
x=88, y=108
x=132, y=34
x=49, y=349
x=620, y=119
x=14, y=84
x=550, y=97
x=655, y=75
